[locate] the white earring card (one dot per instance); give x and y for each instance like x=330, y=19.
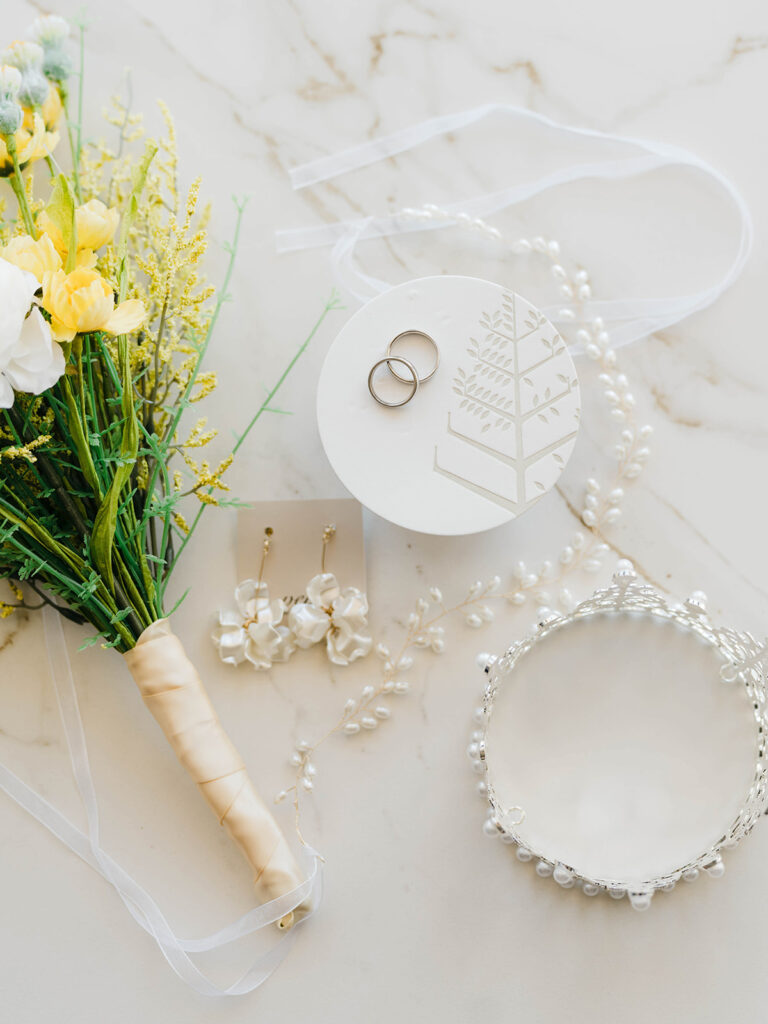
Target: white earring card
x=481, y=441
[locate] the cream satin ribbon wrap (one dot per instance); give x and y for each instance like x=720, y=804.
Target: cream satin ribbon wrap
x=172, y=690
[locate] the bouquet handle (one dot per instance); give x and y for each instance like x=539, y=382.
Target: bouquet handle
x=172, y=690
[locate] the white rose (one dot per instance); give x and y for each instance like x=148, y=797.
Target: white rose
x=30, y=360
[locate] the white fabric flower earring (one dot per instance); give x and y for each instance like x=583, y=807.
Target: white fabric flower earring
x=254, y=632
x=329, y=613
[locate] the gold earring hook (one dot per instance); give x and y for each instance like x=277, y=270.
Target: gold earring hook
x=265, y=551
x=328, y=533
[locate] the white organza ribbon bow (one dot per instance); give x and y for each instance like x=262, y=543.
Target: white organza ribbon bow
x=629, y=319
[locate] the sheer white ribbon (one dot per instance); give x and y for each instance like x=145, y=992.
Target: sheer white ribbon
x=631, y=319
x=137, y=900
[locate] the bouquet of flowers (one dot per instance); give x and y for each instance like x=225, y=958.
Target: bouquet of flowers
x=105, y=319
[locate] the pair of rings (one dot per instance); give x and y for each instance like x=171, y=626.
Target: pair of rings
x=413, y=379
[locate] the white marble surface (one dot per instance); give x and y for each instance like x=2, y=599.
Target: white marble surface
x=423, y=919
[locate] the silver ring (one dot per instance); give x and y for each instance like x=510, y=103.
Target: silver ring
x=433, y=343
x=414, y=381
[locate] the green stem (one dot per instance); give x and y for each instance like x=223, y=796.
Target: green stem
x=73, y=147
x=17, y=185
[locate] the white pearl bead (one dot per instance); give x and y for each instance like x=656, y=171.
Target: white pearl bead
x=559, y=273
x=539, y=244
x=478, y=767
x=307, y=784
x=566, y=291
x=490, y=828
x=303, y=747
x=473, y=750
x=382, y=712
x=484, y=660
x=590, y=889
x=585, y=292
x=482, y=788
x=507, y=838
x=543, y=869
x=716, y=870
x=367, y=692
x=617, y=894
x=562, y=875
x=402, y=686
x=523, y=854
x=368, y=723
x=640, y=900
x=296, y=760
x=669, y=886
x=691, y=875
x=310, y=769
x=479, y=715
x=522, y=246
x=351, y=728
x=554, y=249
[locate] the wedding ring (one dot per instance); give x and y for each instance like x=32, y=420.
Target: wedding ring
x=421, y=334
x=414, y=381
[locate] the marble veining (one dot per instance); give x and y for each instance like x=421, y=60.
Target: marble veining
x=422, y=919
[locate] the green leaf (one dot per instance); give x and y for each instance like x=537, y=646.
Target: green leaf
x=61, y=210
x=82, y=446
x=105, y=524
x=91, y=641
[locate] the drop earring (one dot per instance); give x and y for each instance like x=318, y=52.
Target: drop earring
x=254, y=632
x=333, y=614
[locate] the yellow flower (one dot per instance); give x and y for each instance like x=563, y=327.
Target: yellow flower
x=50, y=110
x=29, y=146
x=37, y=257
x=83, y=301
x=96, y=225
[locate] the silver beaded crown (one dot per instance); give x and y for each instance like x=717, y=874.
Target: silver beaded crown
x=743, y=663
